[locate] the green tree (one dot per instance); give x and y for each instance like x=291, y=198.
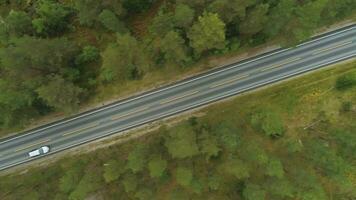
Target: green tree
x=157, y=166
x=88, y=11
x=346, y=81
x=174, y=49
x=137, y=158
x=53, y=17
x=113, y=170
x=237, y=168
x=18, y=23
x=162, y=23
x=183, y=16
x=275, y=168
x=207, y=33
x=230, y=10
x=137, y=6
x=281, y=15
x=111, y=22
x=255, y=20
x=71, y=177
x=88, y=54
x=269, y=122
x=253, y=192
x=60, y=94
x=90, y=182
x=227, y=134
x=181, y=142
x=144, y=193
x=123, y=60
x=130, y=182
x=208, y=144
x=184, y=176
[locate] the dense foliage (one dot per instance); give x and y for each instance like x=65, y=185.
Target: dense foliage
x=286, y=152
x=50, y=49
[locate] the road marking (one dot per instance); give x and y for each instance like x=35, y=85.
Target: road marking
x=229, y=81
x=330, y=48
x=116, y=117
x=29, y=146
x=81, y=129
x=280, y=64
x=179, y=97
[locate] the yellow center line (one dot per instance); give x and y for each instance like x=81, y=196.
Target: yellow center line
x=82, y=129
x=280, y=64
x=29, y=146
x=332, y=47
x=229, y=81
x=179, y=97
x=127, y=114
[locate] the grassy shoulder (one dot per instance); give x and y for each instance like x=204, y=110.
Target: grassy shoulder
x=293, y=140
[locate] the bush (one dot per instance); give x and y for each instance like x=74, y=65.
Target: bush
x=346, y=81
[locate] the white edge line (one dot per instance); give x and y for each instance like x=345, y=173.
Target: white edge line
x=173, y=86
x=317, y=39
x=185, y=109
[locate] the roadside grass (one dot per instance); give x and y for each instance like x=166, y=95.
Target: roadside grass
x=306, y=104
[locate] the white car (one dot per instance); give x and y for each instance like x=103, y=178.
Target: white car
x=39, y=151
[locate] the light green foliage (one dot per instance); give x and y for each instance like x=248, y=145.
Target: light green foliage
x=255, y=20
x=181, y=142
x=53, y=17
x=123, y=60
x=269, y=121
x=60, y=94
x=275, y=168
x=279, y=187
x=173, y=48
x=137, y=159
x=215, y=181
x=111, y=22
x=183, y=15
x=144, y=193
x=236, y=168
x=207, y=33
x=88, y=54
x=90, y=182
x=157, y=166
x=130, y=182
x=253, y=192
x=113, y=170
x=253, y=151
x=208, y=144
x=184, y=176
x=71, y=178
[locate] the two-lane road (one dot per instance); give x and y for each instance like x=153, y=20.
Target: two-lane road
x=209, y=87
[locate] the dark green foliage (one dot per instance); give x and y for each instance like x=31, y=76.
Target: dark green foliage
x=88, y=11
x=136, y=160
x=18, y=23
x=89, y=54
x=52, y=18
x=269, y=122
x=137, y=6
x=253, y=192
x=346, y=81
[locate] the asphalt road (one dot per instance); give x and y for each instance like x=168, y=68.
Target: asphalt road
x=191, y=93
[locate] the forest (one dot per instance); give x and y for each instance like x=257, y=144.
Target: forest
x=58, y=55
x=265, y=145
